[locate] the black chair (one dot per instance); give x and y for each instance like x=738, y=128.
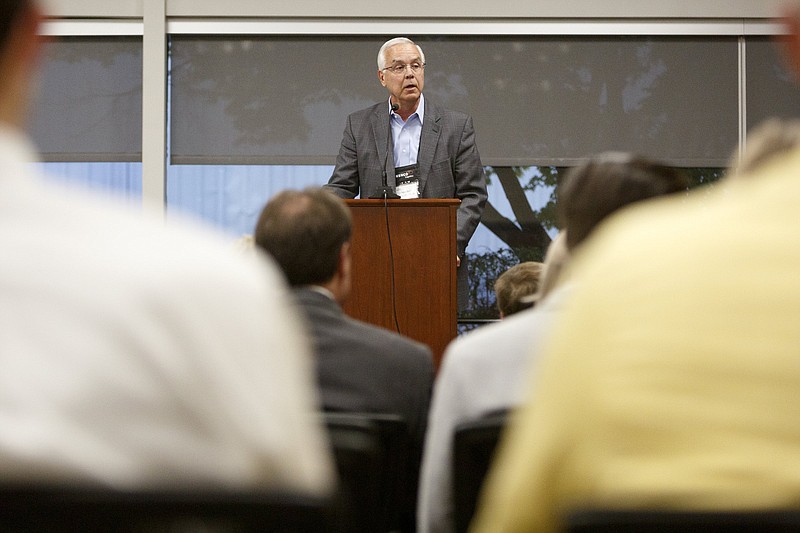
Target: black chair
x=61, y=509
x=474, y=444
x=648, y=521
x=371, y=453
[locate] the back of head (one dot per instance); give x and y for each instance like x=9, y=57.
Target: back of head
x=555, y=260
x=19, y=45
x=516, y=287
x=9, y=9
x=766, y=142
x=304, y=231
x=593, y=190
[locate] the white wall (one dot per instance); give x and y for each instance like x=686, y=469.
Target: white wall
x=94, y=8
x=414, y=9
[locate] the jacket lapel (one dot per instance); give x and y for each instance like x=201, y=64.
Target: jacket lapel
x=431, y=129
x=380, y=131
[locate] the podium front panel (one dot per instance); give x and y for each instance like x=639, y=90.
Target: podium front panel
x=404, y=268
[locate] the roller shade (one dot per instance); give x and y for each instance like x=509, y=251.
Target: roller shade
x=534, y=100
x=88, y=106
x=772, y=90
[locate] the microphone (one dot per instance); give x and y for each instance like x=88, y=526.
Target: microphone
x=385, y=191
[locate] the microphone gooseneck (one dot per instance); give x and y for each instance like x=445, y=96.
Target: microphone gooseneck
x=394, y=107
x=386, y=192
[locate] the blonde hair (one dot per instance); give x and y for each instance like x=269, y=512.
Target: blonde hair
x=766, y=142
x=516, y=287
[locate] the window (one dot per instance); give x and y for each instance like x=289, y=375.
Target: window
x=87, y=115
x=771, y=90
x=535, y=100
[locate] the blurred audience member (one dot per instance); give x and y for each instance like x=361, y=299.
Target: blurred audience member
x=766, y=143
x=244, y=244
x=134, y=355
x=671, y=379
x=360, y=367
x=485, y=371
x=516, y=288
x=555, y=260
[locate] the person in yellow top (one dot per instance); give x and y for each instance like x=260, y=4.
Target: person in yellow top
x=672, y=380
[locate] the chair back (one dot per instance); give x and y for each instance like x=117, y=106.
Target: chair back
x=650, y=521
x=370, y=451
x=474, y=443
x=61, y=509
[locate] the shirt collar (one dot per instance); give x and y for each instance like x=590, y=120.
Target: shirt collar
x=420, y=112
x=17, y=155
x=321, y=290
x=16, y=147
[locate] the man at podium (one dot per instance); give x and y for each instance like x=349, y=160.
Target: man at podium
x=408, y=147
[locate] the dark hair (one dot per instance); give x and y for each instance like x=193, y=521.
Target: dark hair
x=9, y=9
x=592, y=191
x=304, y=231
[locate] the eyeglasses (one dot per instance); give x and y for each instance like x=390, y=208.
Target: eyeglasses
x=400, y=68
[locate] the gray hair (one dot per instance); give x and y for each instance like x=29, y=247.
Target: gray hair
x=392, y=42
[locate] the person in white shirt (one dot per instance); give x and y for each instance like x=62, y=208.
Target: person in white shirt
x=136, y=355
x=488, y=370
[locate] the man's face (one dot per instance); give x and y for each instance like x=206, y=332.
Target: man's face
x=406, y=86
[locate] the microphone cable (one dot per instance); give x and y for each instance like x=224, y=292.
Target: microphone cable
x=391, y=264
x=394, y=107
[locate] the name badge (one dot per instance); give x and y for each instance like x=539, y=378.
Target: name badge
x=407, y=182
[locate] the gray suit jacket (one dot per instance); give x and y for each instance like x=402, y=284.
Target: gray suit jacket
x=448, y=160
x=364, y=368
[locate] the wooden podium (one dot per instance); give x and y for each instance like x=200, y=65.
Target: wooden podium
x=413, y=279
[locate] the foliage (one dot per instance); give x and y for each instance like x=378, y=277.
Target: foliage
x=701, y=177
x=526, y=236
x=484, y=270
x=526, y=228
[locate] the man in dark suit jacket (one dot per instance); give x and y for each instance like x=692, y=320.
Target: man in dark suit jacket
x=360, y=367
x=437, y=143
